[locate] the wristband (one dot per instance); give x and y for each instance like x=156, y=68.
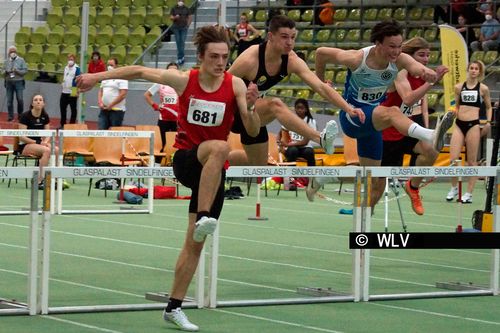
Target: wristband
x=155, y=107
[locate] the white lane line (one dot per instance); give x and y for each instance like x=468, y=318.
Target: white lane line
x=75, y=323
x=282, y=322
x=438, y=314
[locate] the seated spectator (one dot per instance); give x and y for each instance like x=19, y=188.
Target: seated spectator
x=96, y=64
x=295, y=145
x=478, y=10
x=449, y=13
x=244, y=33
x=36, y=118
x=466, y=30
x=490, y=34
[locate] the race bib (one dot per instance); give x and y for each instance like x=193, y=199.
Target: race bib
x=371, y=94
x=296, y=137
x=205, y=113
x=170, y=99
x=469, y=96
x=407, y=110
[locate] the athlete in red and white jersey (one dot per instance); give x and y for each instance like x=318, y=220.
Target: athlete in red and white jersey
x=408, y=93
x=209, y=98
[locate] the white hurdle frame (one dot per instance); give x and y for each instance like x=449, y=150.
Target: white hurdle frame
x=22, y=174
x=107, y=134
x=443, y=172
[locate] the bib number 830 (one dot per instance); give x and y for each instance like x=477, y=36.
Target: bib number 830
x=371, y=96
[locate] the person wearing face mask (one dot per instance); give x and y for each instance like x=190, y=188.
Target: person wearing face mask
x=181, y=16
x=15, y=68
x=96, y=64
x=489, y=37
x=111, y=100
x=69, y=95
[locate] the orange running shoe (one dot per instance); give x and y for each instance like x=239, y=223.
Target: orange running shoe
x=416, y=202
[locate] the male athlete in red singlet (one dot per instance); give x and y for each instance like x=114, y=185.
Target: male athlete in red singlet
x=208, y=100
x=408, y=94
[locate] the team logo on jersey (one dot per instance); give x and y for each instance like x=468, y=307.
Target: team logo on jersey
x=261, y=80
x=386, y=75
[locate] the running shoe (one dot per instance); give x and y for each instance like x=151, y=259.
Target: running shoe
x=452, y=194
x=443, y=125
x=203, y=227
x=328, y=136
x=467, y=198
x=179, y=318
x=416, y=201
x=312, y=188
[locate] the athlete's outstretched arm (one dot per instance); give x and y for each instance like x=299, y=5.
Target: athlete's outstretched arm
x=245, y=98
x=415, y=68
x=331, y=55
x=299, y=67
x=172, y=77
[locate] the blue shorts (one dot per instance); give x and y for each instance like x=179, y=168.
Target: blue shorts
x=369, y=140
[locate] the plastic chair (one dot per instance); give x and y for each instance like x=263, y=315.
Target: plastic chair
x=384, y=14
x=307, y=15
x=74, y=3
x=477, y=56
x=121, y=16
x=340, y=15
x=119, y=53
x=323, y=35
x=58, y=3
x=72, y=35
x=340, y=77
x=19, y=157
x=415, y=32
x=133, y=54
x=137, y=16
x=306, y=35
x=415, y=13
x=123, y=4
x=21, y=50
x=104, y=36
x=39, y=36
x=104, y=51
x=399, y=14
x=104, y=17
x=311, y=58
x=366, y=35
x=51, y=54
x=329, y=75
x=120, y=37
x=286, y=93
x=370, y=14
x=56, y=34
x=261, y=15
x=54, y=17
x=34, y=55
x=353, y=35
x=295, y=79
x=428, y=14
x=338, y=36
x=92, y=33
x=432, y=99
x=107, y=3
x=22, y=37
x=430, y=35
x=354, y=14
x=434, y=57
x=154, y=17
x=294, y=14
x=157, y=140
x=74, y=147
x=71, y=16
x=303, y=93
x=490, y=57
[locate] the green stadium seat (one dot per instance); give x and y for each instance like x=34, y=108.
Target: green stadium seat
x=306, y=35
x=294, y=14
x=317, y=97
x=428, y=14
x=340, y=76
x=307, y=15
x=295, y=79
x=431, y=35
x=173, y=3
x=136, y=37
x=119, y=53
x=120, y=17
x=104, y=17
x=74, y=3
x=399, y=14
x=107, y=4
x=49, y=68
x=92, y=15
x=490, y=57
x=415, y=32
x=434, y=57
x=120, y=37
x=152, y=35
x=93, y=3
x=286, y=93
x=261, y=15
x=34, y=55
x=366, y=35
x=303, y=93
x=432, y=99
x=477, y=55
x=415, y=13
x=104, y=36
x=340, y=15
x=72, y=35
x=330, y=75
x=323, y=35
x=39, y=36
x=384, y=14
x=56, y=34
x=58, y=3
x=51, y=54
x=338, y=35
x=154, y=17
x=22, y=37
x=370, y=14
x=124, y=4
x=137, y=16
x=92, y=33
x=21, y=50
x=71, y=16
x=250, y=14
x=285, y=79
x=133, y=54
x=353, y=35
x=54, y=16
x=272, y=92
x=166, y=20
x=311, y=58
x=104, y=51
x=355, y=14
x=139, y=3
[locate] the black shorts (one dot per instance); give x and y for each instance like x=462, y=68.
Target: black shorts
x=393, y=151
x=187, y=169
x=245, y=138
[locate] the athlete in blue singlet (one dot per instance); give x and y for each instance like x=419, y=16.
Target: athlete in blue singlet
x=371, y=72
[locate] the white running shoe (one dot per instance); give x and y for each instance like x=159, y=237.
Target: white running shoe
x=312, y=188
x=328, y=136
x=452, y=194
x=179, y=318
x=467, y=198
x=203, y=227
x=443, y=125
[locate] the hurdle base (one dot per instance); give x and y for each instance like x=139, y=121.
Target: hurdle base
x=319, y=292
x=257, y=218
x=458, y=286
x=162, y=297
x=11, y=304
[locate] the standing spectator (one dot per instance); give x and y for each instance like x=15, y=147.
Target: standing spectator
x=168, y=107
x=466, y=30
x=96, y=64
x=15, y=68
x=69, y=95
x=490, y=34
x=242, y=33
x=111, y=99
x=296, y=145
x=36, y=119
x=181, y=16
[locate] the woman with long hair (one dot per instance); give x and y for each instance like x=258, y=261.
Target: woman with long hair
x=469, y=96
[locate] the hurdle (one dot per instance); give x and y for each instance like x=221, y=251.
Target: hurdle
x=91, y=170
